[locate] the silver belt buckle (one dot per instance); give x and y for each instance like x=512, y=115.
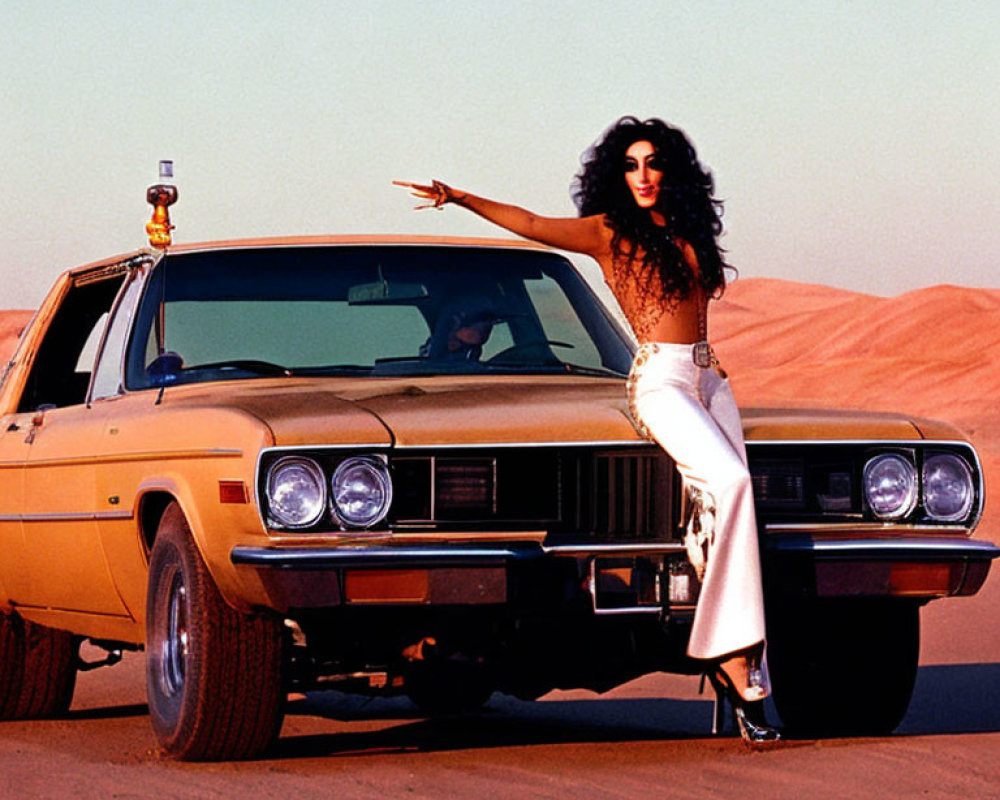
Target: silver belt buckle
x=701, y=354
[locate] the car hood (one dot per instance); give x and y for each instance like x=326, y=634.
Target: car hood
x=460, y=410
x=502, y=411
x=811, y=424
x=434, y=411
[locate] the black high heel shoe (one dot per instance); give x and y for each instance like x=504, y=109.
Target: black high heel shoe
x=748, y=714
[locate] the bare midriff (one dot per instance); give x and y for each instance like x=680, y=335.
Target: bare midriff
x=677, y=324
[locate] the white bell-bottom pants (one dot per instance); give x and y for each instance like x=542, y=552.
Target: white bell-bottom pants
x=690, y=412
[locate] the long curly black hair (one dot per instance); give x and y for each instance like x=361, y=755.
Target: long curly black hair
x=685, y=200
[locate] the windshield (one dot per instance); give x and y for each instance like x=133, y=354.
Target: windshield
x=368, y=311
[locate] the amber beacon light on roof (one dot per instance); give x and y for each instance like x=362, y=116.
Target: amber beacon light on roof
x=161, y=196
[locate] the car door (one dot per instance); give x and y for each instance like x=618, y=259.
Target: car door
x=13, y=454
x=62, y=558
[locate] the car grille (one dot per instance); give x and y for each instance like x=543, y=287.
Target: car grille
x=576, y=494
x=620, y=496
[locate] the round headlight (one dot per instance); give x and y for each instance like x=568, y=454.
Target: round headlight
x=890, y=486
x=948, y=489
x=361, y=491
x=296, y=492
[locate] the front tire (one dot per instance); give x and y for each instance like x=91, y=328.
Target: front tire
x=213, y=674
x=844, y=667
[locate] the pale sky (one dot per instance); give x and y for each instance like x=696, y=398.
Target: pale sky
x=854, y=143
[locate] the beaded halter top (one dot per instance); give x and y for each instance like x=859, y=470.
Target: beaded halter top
x=639, y=291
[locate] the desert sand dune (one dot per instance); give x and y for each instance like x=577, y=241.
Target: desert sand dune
x=933, y=352
x=11, y=325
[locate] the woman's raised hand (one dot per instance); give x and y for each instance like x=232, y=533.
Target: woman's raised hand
x=437, y=193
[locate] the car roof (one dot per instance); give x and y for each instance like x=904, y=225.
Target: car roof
x=313, y=241
x=357, y=239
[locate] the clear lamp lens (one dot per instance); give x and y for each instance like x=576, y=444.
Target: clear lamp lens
x=948, y=488
x=296, y=492
x=890, y=486
x=361, y=491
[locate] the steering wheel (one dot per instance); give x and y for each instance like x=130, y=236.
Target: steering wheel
x=505, y=354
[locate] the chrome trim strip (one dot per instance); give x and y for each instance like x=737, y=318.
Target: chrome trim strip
x=333, y=557
x=876, y=442
x=74, y=612
x=584, y=550
x=929, y=548
x=611, y=612
x=609, y=443
x=508, y=445
x=70, y=516
x=455, y=446
x=311, y=558
x=297, y=448
x=821, y=528
x=151, y=455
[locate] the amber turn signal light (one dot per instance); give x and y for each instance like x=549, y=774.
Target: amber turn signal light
x=233, y=492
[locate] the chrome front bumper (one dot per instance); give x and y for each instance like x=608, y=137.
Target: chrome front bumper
x=796, y=565
x=620, y=578
x=424, y=556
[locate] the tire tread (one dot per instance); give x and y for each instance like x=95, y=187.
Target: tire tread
x=236, y=701
x=38, y=667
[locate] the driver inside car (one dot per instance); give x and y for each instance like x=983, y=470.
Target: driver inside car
x=461, y=330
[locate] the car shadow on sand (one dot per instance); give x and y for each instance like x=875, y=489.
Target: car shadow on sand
x=109, y=712
x=948, y=699
x=504, y=722
x=954, y=698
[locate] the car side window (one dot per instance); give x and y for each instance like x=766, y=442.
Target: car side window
x=60, y=374
x=108, y=377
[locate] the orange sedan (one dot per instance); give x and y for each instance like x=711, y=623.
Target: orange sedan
x=394, y=465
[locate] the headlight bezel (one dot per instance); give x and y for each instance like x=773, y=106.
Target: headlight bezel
x=327, y=460
x=374, y=466
x=312, y=468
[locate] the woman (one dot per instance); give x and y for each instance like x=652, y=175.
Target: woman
x=647, y=216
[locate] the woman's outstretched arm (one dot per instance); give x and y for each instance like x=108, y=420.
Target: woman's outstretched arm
x=578, y=234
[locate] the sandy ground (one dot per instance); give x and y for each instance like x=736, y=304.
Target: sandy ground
x=931, y=353
x=648, y=737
